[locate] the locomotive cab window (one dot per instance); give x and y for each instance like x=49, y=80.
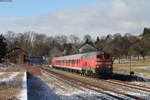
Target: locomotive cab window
x=100, y=56
x=106, y=56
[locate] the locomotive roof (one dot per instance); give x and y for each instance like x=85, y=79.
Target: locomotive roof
x=83, y=54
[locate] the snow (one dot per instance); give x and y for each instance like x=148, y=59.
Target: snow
x=23, y=94
x=143, y=67
x=38, y=90
x=140, y=95
x=51, y=87
x=10, y=77
x=1, y=73
x=69, y=91
x=116, y=61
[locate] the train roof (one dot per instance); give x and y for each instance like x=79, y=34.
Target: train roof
x=83, y=54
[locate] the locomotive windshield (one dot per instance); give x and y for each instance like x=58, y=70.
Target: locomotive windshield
x=106, y=56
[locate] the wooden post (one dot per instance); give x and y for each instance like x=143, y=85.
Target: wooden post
x=131, y=72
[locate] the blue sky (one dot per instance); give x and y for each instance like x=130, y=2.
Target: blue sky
x=30, y=8
x=80, y=17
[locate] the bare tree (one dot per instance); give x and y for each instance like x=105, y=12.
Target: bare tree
x=74, y=39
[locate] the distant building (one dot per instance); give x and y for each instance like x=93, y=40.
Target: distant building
x=16, y=55
x=146, y=31
x=87, y=46
x=36, y=60
x=69, y=49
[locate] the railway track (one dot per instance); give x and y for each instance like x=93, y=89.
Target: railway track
x=96, y=87
x=130, y=85
x=125, y=84
x=135, y=86
x=74, y=83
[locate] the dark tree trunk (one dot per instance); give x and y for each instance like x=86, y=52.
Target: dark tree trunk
x=143, y=58
x=119, y=59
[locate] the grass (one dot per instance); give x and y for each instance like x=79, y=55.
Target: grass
x=9, y=94
x=4, y=75
x=135, y=66
x=10, y=89
x=13, y=69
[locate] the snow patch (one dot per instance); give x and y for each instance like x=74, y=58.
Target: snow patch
x=1, y=73
x=141, y=95
x=10, y=77
x=73, y=93
x=23, y=94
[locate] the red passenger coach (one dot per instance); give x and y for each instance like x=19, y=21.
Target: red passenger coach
x=87, y=63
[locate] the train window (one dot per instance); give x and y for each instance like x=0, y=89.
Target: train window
x=72, y=62
x=84, y=57
x=100, y=57
x=67, y=61
x=91, y=57
x=75, y=61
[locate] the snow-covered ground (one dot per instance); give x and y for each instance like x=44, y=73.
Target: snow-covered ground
x=47, y=87
x=23, y=93
x=1, y=73
x=143, y=67
x=10, y=77
x=13, y=86
x=68, y=91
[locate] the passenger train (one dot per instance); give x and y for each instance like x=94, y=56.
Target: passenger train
x=97, y=63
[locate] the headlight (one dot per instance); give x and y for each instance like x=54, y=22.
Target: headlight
x=109, y=66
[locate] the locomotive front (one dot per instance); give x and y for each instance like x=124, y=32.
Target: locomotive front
x=104, y=64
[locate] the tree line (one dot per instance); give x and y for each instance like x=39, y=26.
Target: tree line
x=36, y=44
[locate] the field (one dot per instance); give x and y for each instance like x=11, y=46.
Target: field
x=141, y=68
x=12, y=83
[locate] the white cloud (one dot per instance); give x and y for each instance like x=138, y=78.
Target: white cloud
x=112, y=16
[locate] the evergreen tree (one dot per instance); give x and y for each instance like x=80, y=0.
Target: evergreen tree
x=97, y=40
x=3, y=46
x=146, y=32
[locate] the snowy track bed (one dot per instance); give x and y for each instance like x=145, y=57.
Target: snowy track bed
x=68, y=89
x=113, y=90
x=49, y=87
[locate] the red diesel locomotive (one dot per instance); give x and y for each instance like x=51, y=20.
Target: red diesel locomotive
x=99, y=63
